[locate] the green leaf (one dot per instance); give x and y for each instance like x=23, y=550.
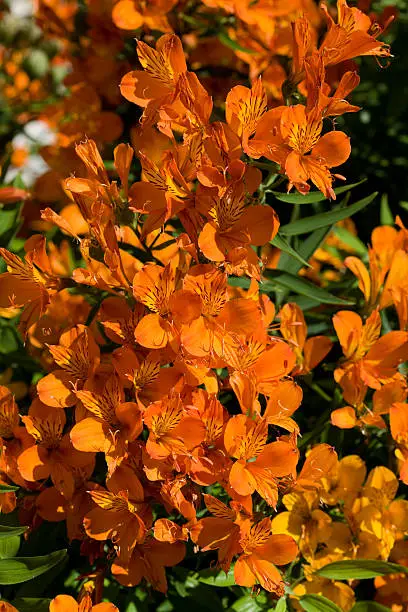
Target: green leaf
x=22, y=569
x=281, y=606
x=214, y=578
x=305, y=250
x=9, y=547
x=246, y=604
x=280, y=243
x=9, y=532
x=7, y=488
x=31, y=604
x=9, y=221
x=359, y=569
x=309, y=224
x=369, y=606
x=297, y=284
x=352, y=241
x=311, y=198
x=8, y=339
x=318, y=603
x=386, y=216
x=232, y=44
x=278, y=280
x=19, y=183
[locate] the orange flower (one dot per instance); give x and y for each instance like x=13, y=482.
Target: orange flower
x=113, y=424
x=205, y=313
x=291, y=137
x=77, y=356
x=9, y=417
x=219, y=532
x=9, y=195
x=233, y=224
x=309, y=352
x=209, y=459
x=173, y=429
x=359, y=413
x=258, y=464
x=153, y=286
x=155, y=87
x=29, y=283
x=353, y=35
x=54, y=507
x=120, y=514
x=375, y=359
x=148, y=561
x=66, y=603
x=262, y=551
x=133, y=14
x=164, y=190
x=283, y=402
x=256, y=368
x=51, y=453
x=320, y=461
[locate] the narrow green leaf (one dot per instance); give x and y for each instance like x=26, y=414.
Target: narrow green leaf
x=359, y=569
x=386, y=216
x=217, y=578
x=318, y=603
x=280, y=243
x=232, y=44
x=313, y=197
x=9, y=532
x=352, y=241
x=21, y=569
x=8, y=219
x=290, y=283
x=281, y=606
x=7, y=488
x=305, y=250
x=309, y=224
x=369, y=606
x=297, y=284
x=305, y=303
x=9, y=547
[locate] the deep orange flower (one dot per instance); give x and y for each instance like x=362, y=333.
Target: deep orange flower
x=375, y=358
x=133, y=14
x=220, y=531
x=262, y=551
x=153, y=286
x=233, y=224
x=66, y=603
x=120, y=514
x=77, y=356
x=352, y=36
x=155, y=86
x=291, y=137
x=51, y=453
x=173, y=428
x=309, y=352
x=148, y=561
x=258, y=464
x=29, y=283
x=112, y=425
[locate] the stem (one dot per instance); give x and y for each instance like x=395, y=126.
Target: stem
x=320, y=391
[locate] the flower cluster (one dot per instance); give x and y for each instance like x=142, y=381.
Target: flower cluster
x=161, y=426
